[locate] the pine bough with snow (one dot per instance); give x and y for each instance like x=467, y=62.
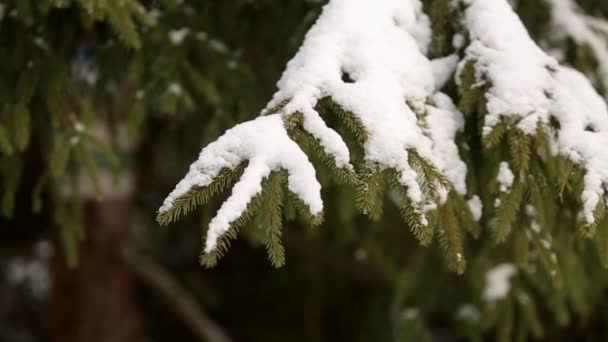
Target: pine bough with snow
x=433, y=103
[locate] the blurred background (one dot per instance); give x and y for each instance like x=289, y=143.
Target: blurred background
x=103, y=106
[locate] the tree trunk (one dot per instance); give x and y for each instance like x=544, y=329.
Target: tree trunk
x=94, y=303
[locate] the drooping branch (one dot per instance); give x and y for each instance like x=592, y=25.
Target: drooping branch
x=181, y=303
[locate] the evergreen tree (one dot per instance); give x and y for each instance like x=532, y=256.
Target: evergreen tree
x=477, y=125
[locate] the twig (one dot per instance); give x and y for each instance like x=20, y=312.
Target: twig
x=182, y=303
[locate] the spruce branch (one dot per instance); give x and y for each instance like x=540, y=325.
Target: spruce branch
x=507, y=210
x=370, y=192
x=272, y=217
x=431, y=180
x=327, y=106
x=451, y=239
x=200, y=195
x=416, y=220
x=520, y=148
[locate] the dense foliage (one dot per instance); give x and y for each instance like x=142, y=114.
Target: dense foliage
x=106, y=102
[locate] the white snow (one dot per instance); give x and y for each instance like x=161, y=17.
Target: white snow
x=583, y=137
x=476, y=207
x=514, y=66
x=266, y=145
x=395, y=94
x=468, y=312
x=443, y=69
x=444, y=122
x=177, y=36
x=410, y=313
x=529, y=86
x=498, y=282
x=79, y=127
x=570, y=22
x=175, y=89
x=535, y=227
x=505, y=176
x=381, y=45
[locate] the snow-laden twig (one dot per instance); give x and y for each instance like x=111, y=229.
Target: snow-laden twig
x=376, y=44
x=570, y=22
x=529, y=87
x=369, y=58
x=264, y=143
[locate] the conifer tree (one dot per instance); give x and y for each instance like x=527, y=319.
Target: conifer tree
x=472, y=125
x=477, y=126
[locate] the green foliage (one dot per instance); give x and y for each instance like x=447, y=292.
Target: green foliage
x=199, y=196
x=431, y=180
x=326, y=106
x=272, y=217
x=224, y=76
x=370, y=192
x=451, y=238
x=509, y=205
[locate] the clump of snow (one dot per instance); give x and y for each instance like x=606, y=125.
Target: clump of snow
x=79, y=127
x=32, y=272
x=382, y=46
x=265, y=144
x=443, y=69
x=570, y=22
x=410, y=313
x=218, y=46
x=505, y=176
x=177, y=36
x=175, y=89
x=515, y=67
x=535, y=227
x=444, y=122
x=529, y=86
x=468, y=312
x=476, y=207
x=583, y=134
x=498, y=282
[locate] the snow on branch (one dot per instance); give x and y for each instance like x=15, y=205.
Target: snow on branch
x=529, y=91
x=570, y=22
x=366, y=62
x=360, y=54
x=367, y=59
x=264, y=143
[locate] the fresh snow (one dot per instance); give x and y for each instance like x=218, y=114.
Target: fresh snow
x=266, y=145
x=444, y=122
x=476, y=207
x=177, y=36
x=529, y=86
x=583, y=136
x=505, y=176
x=468, y=312
x=516, y=68
x=395, y=93
x=570, y=22
x=382, y=46
x=498, y=282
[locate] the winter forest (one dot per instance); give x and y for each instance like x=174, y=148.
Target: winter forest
x=306, y=170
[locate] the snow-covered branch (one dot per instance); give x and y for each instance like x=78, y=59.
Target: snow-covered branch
x=570, y=22
x=360, y=55
x=368, y=62
x=529, y=88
